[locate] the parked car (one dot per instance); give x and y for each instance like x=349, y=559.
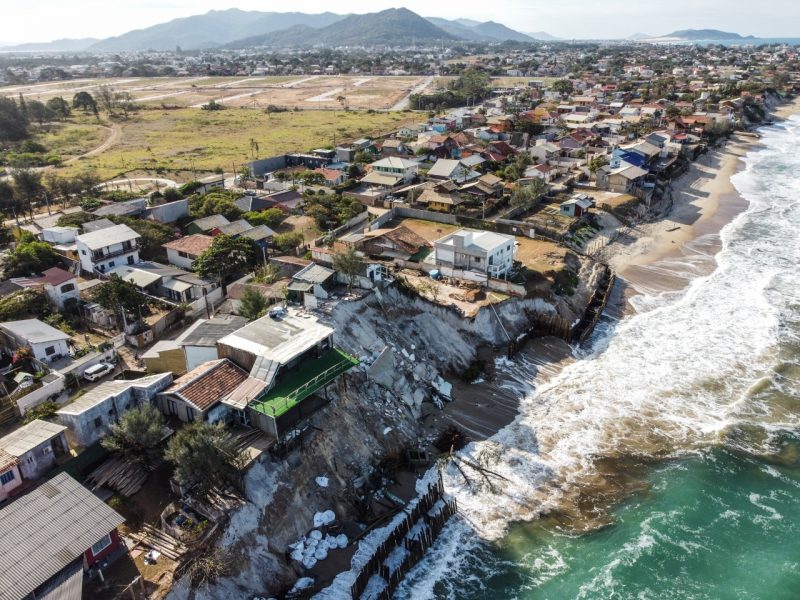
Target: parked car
x=97, y=371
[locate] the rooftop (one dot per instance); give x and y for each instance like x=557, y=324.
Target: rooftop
x=300, y=383
x=44, y=531
x=94, y=240
x=206, y=332
x=56, y=276
x=279, y=339
x=34, y=331
x=482, y=241
x=207, y=384
x=108, y=389
x=29, y=436
x=209, y=223
x=193, y=245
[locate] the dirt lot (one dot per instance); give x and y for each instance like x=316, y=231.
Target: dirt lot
x=307, y=92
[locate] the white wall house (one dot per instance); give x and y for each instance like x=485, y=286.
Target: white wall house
x=184, y=251
x=10, y=477
x=36, y=445
x=47, y=343
x=482, y=251
x=107, y=248
x=60, y=286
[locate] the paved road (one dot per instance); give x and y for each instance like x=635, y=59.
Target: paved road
x=403, y=104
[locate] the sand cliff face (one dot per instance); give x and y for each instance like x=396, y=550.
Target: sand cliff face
x=409, y=347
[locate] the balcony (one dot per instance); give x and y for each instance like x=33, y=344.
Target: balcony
x=98, y=256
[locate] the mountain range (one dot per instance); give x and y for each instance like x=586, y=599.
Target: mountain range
x=236, y=28
x=701, y=35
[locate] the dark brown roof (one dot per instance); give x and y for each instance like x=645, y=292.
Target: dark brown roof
x=193, y=245
x=206, y=385
x=56, y=276
x=6, y=460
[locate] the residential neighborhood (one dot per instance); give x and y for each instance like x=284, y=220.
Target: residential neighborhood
x=259, y=379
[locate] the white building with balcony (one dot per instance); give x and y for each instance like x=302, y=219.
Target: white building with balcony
x=107, y=248
x=480, y=251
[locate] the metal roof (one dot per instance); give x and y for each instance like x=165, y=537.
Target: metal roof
x=29, y=436
x=314, y=273
x=108, y=389
x=67, y=585
x=94, y=240
x=34, y=331
x=138, y=277
x=47, y=529
x=209, y=223
x=280, y=339
x=97, y=225
x=206, y=332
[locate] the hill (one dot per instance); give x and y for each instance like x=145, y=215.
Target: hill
x=64, y=45
x=696, y=35
x=392, y=27
x=460, y=30
x=501, y=32
x=542, y=36
x=490, y=31
x=210, y=30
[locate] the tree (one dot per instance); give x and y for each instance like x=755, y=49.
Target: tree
x=348, y=264
x=119, y=296
x=212, y=105
x=596, y=163
x=13, y=123
x=27, y=187
x=22, y=304
x=136, y=433
x=59, y=107
x=227, y=255
x=84, y=101
x=203, y=455
x=563, y=86
x=30, y=257
x=216, y=202
x=253, y=304
x=272, y=217
x=528, y=195
x=9, y=201
x=288, y=241
x=39, y=112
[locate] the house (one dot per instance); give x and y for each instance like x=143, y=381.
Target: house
x=252, y=203
x=542, y=171
x=311, y=283
x=60, y=235
x=391, y=171
x=393, y=147
x=47, y=343
x=165, y=356
x=194, y=395
x=199, y=341
x=332, y=176
x=576, y=206
x=10, y=477
x=479, y=251
x=397, y=242
x=206, y=224
x=60, y=286
x=451, y=170
x=622, y=180
x=51, y=536
x=128, y=208
x=287, y=200
x=184, y=251
x=441, y=197
x=292, y=356
x=106, y=248
x=97, y=225
x=90, y=416
x=36, y=445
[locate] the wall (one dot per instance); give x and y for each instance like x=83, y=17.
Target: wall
x=60, y=346
x=266, y=165
x=169, y=212
x=39, y=395
x=197, y=355
x=90, y=559
x=168, y=361
x=37, y=462
x=5, y=488
x=179, y=261
x=498, y=285
x=82, y=430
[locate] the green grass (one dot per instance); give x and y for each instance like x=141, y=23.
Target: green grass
x=298, y=384
x=190, y=138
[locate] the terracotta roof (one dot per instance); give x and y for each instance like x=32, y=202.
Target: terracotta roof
x=56, y=276
x=7, y=461
x=206, y=385
x=194, y=245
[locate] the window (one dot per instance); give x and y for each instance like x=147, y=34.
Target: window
x=83, y=252
x=67, y=288
x=111, y=265
x=7, y=476
x=183, y=254
x=98, y=422
x=130, y=260
x=103, y=543
x=50, y=350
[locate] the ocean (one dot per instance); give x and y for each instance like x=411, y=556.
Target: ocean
x=666, y=462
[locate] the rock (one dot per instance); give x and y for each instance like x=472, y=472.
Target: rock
x=322, y=481
x=444, y=388
x=316, y=534
x=341, y=540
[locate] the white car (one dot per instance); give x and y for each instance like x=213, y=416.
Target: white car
x=97, y=371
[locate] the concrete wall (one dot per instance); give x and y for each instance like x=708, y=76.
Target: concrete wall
x=168, y=361
x=169, y=212
x=40, y=350
x=266, y=165
x=39, y=395
x=184, y=262
x=197, y=355
x=38, y=461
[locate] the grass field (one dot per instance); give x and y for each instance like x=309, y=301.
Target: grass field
x=192, y=139
x=69, y=140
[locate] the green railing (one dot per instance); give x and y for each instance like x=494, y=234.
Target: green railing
x=297, y=386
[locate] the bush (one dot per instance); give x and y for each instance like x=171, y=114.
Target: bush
x=285, y=242
x=44, y=411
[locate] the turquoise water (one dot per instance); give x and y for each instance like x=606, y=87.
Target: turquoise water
x=696, y=397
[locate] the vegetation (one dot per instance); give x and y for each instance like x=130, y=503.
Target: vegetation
x=253, y=304
x=153, y=233
x=136, y=434
x=203, y=455
x=23, y=304
x=348, y=264
x=331, y=210
x=470, y=88
x=528, y=195
x=215, y=202
x=285, y=242
x=272, y=217
x=119, y=296
x=30, y=257
x=226, y=256
x=44, y=411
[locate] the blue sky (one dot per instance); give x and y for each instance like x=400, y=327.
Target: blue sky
x=44, y=20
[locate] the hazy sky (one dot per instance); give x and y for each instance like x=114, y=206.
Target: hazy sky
x=44, y=20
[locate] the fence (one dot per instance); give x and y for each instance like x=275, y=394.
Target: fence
x=416, y=533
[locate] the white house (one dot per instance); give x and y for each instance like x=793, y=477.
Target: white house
x=90, y=417
x=392, y=171
x=482, y=251
x=184, y=251
x=60, y=286
x=10, y=477
x=453, y=170
x=47, y=343
x=106, y=248
x=36, y=445
x=199, y=342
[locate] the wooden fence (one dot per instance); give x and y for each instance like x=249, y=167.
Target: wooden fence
x=416, y=533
